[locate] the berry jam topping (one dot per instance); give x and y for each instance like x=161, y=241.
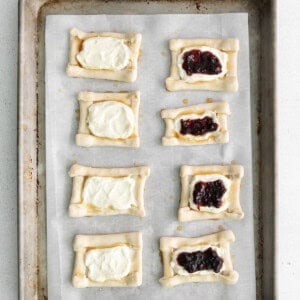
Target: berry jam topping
x=200, y=260
x=196, y=61
x=198, y=126
x=209, y=193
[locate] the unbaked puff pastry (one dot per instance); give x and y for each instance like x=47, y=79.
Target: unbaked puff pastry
x=196, y=125
x=110, y=260
x=100, y=191
x=104, y=55
x=210, y=192
x=108, y=119
x=200, y=259
x=203, y=64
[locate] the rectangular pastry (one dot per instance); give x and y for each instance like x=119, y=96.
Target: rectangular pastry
x=200, y=259
x=210, y=192
x=108, y=119
x=104, y=55
x=203, y=64
x=100, y=191
x=196, y=125
x=109, y=260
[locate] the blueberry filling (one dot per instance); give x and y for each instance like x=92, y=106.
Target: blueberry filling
x=200, y=260
x=209, y=193
x=198, y=126
x=196, y=61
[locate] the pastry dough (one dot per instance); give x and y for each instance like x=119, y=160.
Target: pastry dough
x=234, y=211
x=80, y=173
x=83, y=243
x=173, y=138
x=128, y=74
x=86, y=139
x=228, y=83
x=221, y=239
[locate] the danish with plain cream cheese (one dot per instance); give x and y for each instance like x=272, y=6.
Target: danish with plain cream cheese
x=108, y=263
x=104, y=53
x=108, y=119
x=111, y=119
x=103, y=192
x=108, y=260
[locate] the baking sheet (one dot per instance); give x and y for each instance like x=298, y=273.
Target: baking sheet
x=163, y=186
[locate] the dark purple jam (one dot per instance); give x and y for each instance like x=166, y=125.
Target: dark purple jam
x=200, y=260
x=196, y=61
x=198, y=126
x=209, y=193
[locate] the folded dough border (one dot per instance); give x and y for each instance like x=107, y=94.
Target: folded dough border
x=128, y=74
x=86, y=139
x=173, y=138
x=228, y=83
x=233, y=211
x=79, y=173
x=82, y=243
x=221, y=239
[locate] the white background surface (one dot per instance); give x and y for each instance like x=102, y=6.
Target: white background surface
x=8, y=149
x=288, y=266
x=288, y=149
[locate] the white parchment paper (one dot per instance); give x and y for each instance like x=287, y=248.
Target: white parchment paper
x=163, y=186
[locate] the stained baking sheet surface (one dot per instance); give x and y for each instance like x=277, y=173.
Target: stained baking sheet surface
x=163, y=186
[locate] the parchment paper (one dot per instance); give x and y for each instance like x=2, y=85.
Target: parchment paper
x=163, y=186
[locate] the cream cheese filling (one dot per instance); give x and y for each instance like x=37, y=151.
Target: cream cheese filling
x=222, y=56
x=108, y=263
x=180, y=269
x=104, y=53
x=209, y=178
x=211, y=114
x=105, y=192
x=111, y=119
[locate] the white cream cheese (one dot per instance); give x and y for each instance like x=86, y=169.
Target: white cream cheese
x=104, y=53
x=111, y=119
x=211, y=114
x=222, y=56
x=181, y=271
x=209, y=178
x=108, y=263
x=104, y=192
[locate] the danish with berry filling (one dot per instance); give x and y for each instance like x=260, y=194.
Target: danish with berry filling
x=210, y=192
x=200, y=259
x=203, y=64
x=196, y=125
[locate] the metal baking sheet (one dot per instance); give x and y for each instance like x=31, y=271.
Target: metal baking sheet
x=33, y=267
